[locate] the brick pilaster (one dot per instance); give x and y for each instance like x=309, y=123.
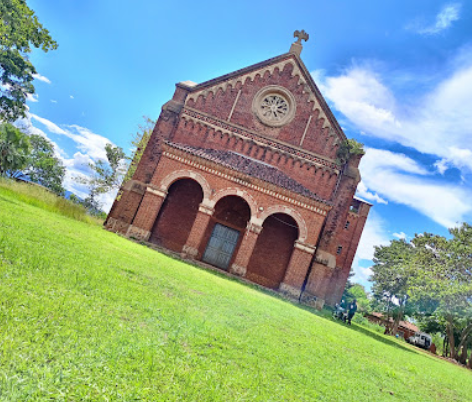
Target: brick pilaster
x=147, y=214
x=239, y=266
x=197, y=232
x=297, y=269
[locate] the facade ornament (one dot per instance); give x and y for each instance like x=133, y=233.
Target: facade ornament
x=301, y=35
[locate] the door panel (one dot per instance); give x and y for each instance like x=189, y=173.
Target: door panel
x=221, y=246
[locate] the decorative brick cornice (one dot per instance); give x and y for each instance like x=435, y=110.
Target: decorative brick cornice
x=251, y=75
x=293, y=152
x=246, y=181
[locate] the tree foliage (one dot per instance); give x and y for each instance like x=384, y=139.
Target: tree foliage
x=433, y=275
x=43, y=166
x=14, y=150
x=392, y=271
x=139, y=142
x=348, y=148
x=20, y=30
x=106, y=176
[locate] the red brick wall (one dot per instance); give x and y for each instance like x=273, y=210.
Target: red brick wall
x=273, y=250
x=219, y=105
x=177, y=214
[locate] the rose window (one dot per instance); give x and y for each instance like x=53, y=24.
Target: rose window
x=274, y=108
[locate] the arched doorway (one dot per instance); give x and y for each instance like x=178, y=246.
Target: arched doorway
x=224, y=233
x=273, y=249
x=177, y=214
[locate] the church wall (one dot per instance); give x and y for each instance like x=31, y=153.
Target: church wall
x=320, y=180
x=219, y=103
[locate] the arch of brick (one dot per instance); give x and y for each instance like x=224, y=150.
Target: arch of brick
x=237, y=192
x=303, y=232
x=186, y=174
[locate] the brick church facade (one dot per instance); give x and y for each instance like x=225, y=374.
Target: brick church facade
x=241, y=172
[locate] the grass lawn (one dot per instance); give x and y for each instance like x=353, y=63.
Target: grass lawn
x=86, y=315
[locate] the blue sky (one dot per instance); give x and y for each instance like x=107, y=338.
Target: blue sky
x=397, y=75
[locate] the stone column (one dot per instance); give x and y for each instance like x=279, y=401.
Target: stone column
x=239, y=266
x=147, y=214
x=298, y=266
x=197, y=232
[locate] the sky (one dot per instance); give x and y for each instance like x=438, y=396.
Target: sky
x=397, y=75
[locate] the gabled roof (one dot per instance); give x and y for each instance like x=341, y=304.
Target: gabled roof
x=305, y=76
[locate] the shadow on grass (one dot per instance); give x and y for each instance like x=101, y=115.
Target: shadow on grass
x=324, y=314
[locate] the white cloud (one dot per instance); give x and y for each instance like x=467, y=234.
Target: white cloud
x=363, y=192
x=438, y=122
x=374, y=234
x=91, y=148
x=32, y=97
x=53, y=101
x=42, y=78
x=444, y=19
x=400, y=179
x=401, y=235
x=71, y=97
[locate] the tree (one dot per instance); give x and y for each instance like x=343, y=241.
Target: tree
x=43, y=166
x=19, y=31
x=446, y=277
x=348, y=148
x=14, y=150
x=106, y=176
x=139, y=142
x=392, y=273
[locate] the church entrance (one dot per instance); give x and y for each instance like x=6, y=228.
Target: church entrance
x=272, y=252
x=221, y=246
x=177, y=214
x=223, y=235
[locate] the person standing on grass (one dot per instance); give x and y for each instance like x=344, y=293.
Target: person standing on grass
x=352, y=308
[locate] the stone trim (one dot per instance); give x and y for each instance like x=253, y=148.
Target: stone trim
x=254, y=228
x=135, y=186
x=289, y=291
x=274, y=209
x=282, y=93
x=307, y=248
x=138, y=233
x=159, y=193
x=238, y=270
x=232, y=130
x=171, y=178
x=188, y=251
x=206, y=209
x=228, y=174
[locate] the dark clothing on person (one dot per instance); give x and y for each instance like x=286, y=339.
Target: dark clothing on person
x=352, y=308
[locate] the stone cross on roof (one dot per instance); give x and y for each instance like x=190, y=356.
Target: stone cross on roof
x=301, y=35
x=297, y=47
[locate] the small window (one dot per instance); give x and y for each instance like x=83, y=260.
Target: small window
x=340, y=248
x=347, y=225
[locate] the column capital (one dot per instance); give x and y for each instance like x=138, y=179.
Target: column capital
x=254, y=228
x=206, y=209
x=155, y=191
x=307, y=248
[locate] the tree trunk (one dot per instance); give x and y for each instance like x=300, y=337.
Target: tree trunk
x=450, y=335
x=469, y=364
x=467, y=331
x=396, y=322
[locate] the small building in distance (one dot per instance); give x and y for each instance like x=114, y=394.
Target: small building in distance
x=246, y=172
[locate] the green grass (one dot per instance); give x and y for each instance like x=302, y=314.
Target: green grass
x=38, y=196
x=86, y=315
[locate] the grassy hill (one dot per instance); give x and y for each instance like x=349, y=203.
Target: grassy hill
x=86, y=315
